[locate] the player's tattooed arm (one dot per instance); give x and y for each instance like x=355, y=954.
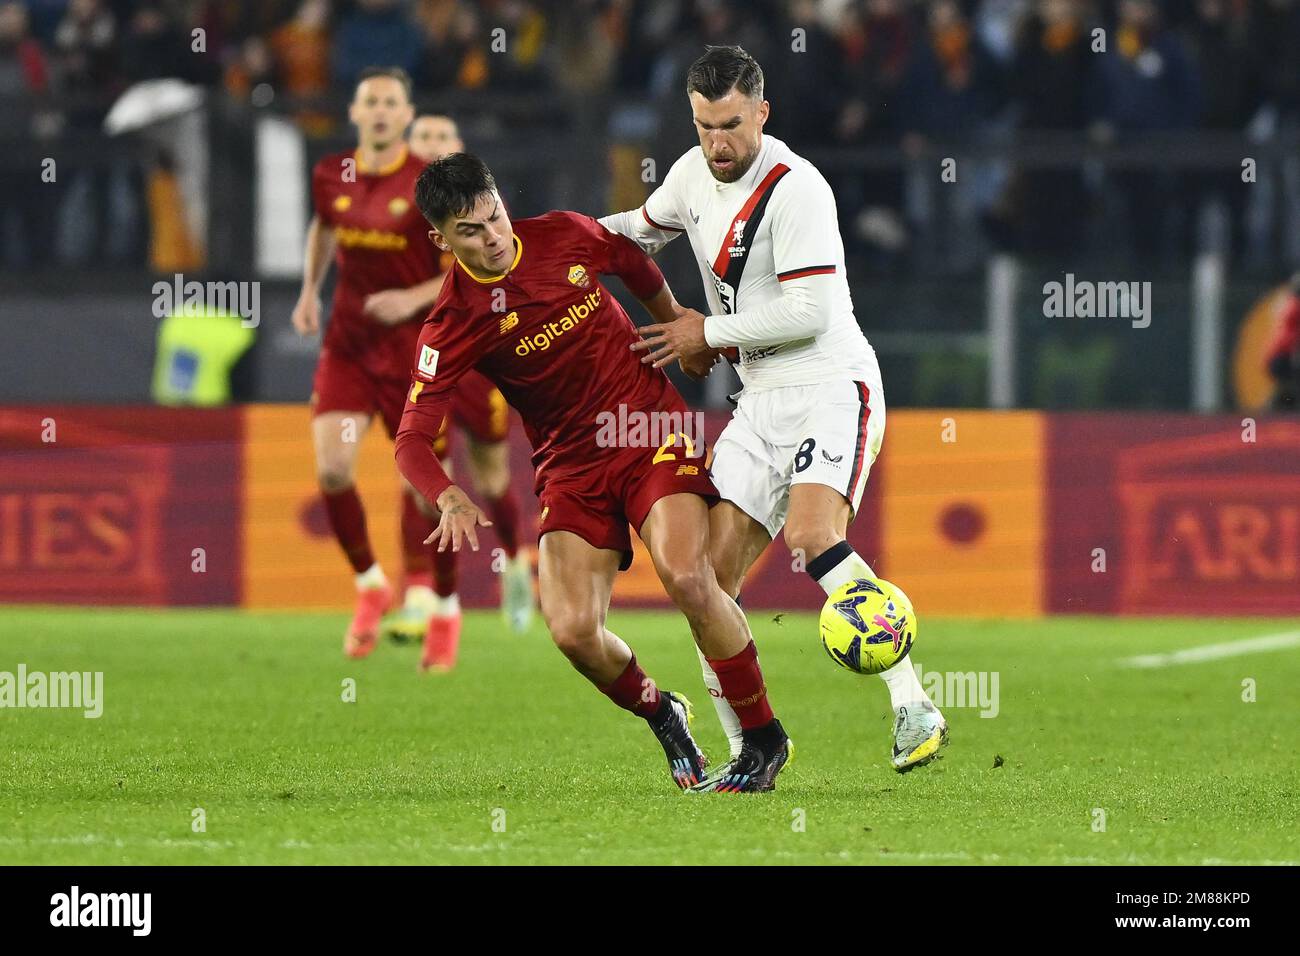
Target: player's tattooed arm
x=459, y=521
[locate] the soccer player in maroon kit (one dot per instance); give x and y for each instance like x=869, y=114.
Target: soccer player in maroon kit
x=480, y=411
x=524, y=305
x=388, y=276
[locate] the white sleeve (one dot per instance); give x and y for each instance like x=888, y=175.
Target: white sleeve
x=658, y=221
x=806, y=249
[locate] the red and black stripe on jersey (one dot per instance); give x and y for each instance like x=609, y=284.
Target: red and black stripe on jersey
x=729, y=268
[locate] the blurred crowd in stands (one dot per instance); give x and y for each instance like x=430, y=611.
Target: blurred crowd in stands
x=851, y=73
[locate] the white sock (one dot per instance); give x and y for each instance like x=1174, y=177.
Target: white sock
x=901, y=679
x=371, y=577
x=727, y=716
x=848, y=567
x=419, y=595
x=448, y=606
x=904, y=687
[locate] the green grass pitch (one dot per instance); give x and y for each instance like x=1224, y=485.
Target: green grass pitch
x=513, y=758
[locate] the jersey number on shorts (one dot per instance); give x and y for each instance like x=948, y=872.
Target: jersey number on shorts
x=663, y=454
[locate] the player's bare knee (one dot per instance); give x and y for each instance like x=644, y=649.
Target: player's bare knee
x=334, y=477
x=730, y=577
x=690, y=588
x=576, y=633
x=810, y=540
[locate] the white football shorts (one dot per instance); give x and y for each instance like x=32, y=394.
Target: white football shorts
x=827, y=434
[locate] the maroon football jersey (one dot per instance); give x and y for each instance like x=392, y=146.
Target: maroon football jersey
x=382, y=243
x=549, y=335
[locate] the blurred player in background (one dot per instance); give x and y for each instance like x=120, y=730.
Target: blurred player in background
x=479, y=410
x=1283, y=357
x=524, y=305
x=388, y=276
x=811, y=418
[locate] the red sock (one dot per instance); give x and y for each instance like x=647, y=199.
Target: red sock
x=416, y=560
x=742, y=685
x=348, y=519
x=444, y=571
x=633, y=691
x=504, y=512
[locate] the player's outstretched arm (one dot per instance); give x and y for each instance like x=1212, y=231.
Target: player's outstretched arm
x=656, y=222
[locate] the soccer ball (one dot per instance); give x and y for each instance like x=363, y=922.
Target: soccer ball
x=868, y=625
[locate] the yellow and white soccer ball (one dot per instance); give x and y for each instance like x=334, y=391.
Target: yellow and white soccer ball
x=868, y=625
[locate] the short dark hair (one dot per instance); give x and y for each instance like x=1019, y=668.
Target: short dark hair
x=392, y=72
x=451, y=186
x=722, y=69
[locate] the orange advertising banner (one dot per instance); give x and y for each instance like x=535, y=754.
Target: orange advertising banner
x=963, y=510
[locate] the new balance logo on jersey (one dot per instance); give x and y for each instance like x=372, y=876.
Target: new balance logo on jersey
x=508, y=322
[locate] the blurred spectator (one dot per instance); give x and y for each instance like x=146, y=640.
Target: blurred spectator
x=586, y=37
x=876, y=41
x=294, y=60
x=24, y=71
x=646, y=29
x=452, y=55
x=24, y=76
x=85, y=54
x=1275, y=45
x=997, y=22
x=158, y=45
x=1219, y=41
x=1051, y=73
x=803, y=84
x=952, y=83
x=951, y=91
x=1146, y=82
x=520, y=66
x=377, y=32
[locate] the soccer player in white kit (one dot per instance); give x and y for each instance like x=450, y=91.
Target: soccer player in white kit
x=811, y=417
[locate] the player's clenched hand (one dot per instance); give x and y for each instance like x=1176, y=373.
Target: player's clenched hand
x=306, y=314
x=389, y=307
x=682, y=340
x=460, y=520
